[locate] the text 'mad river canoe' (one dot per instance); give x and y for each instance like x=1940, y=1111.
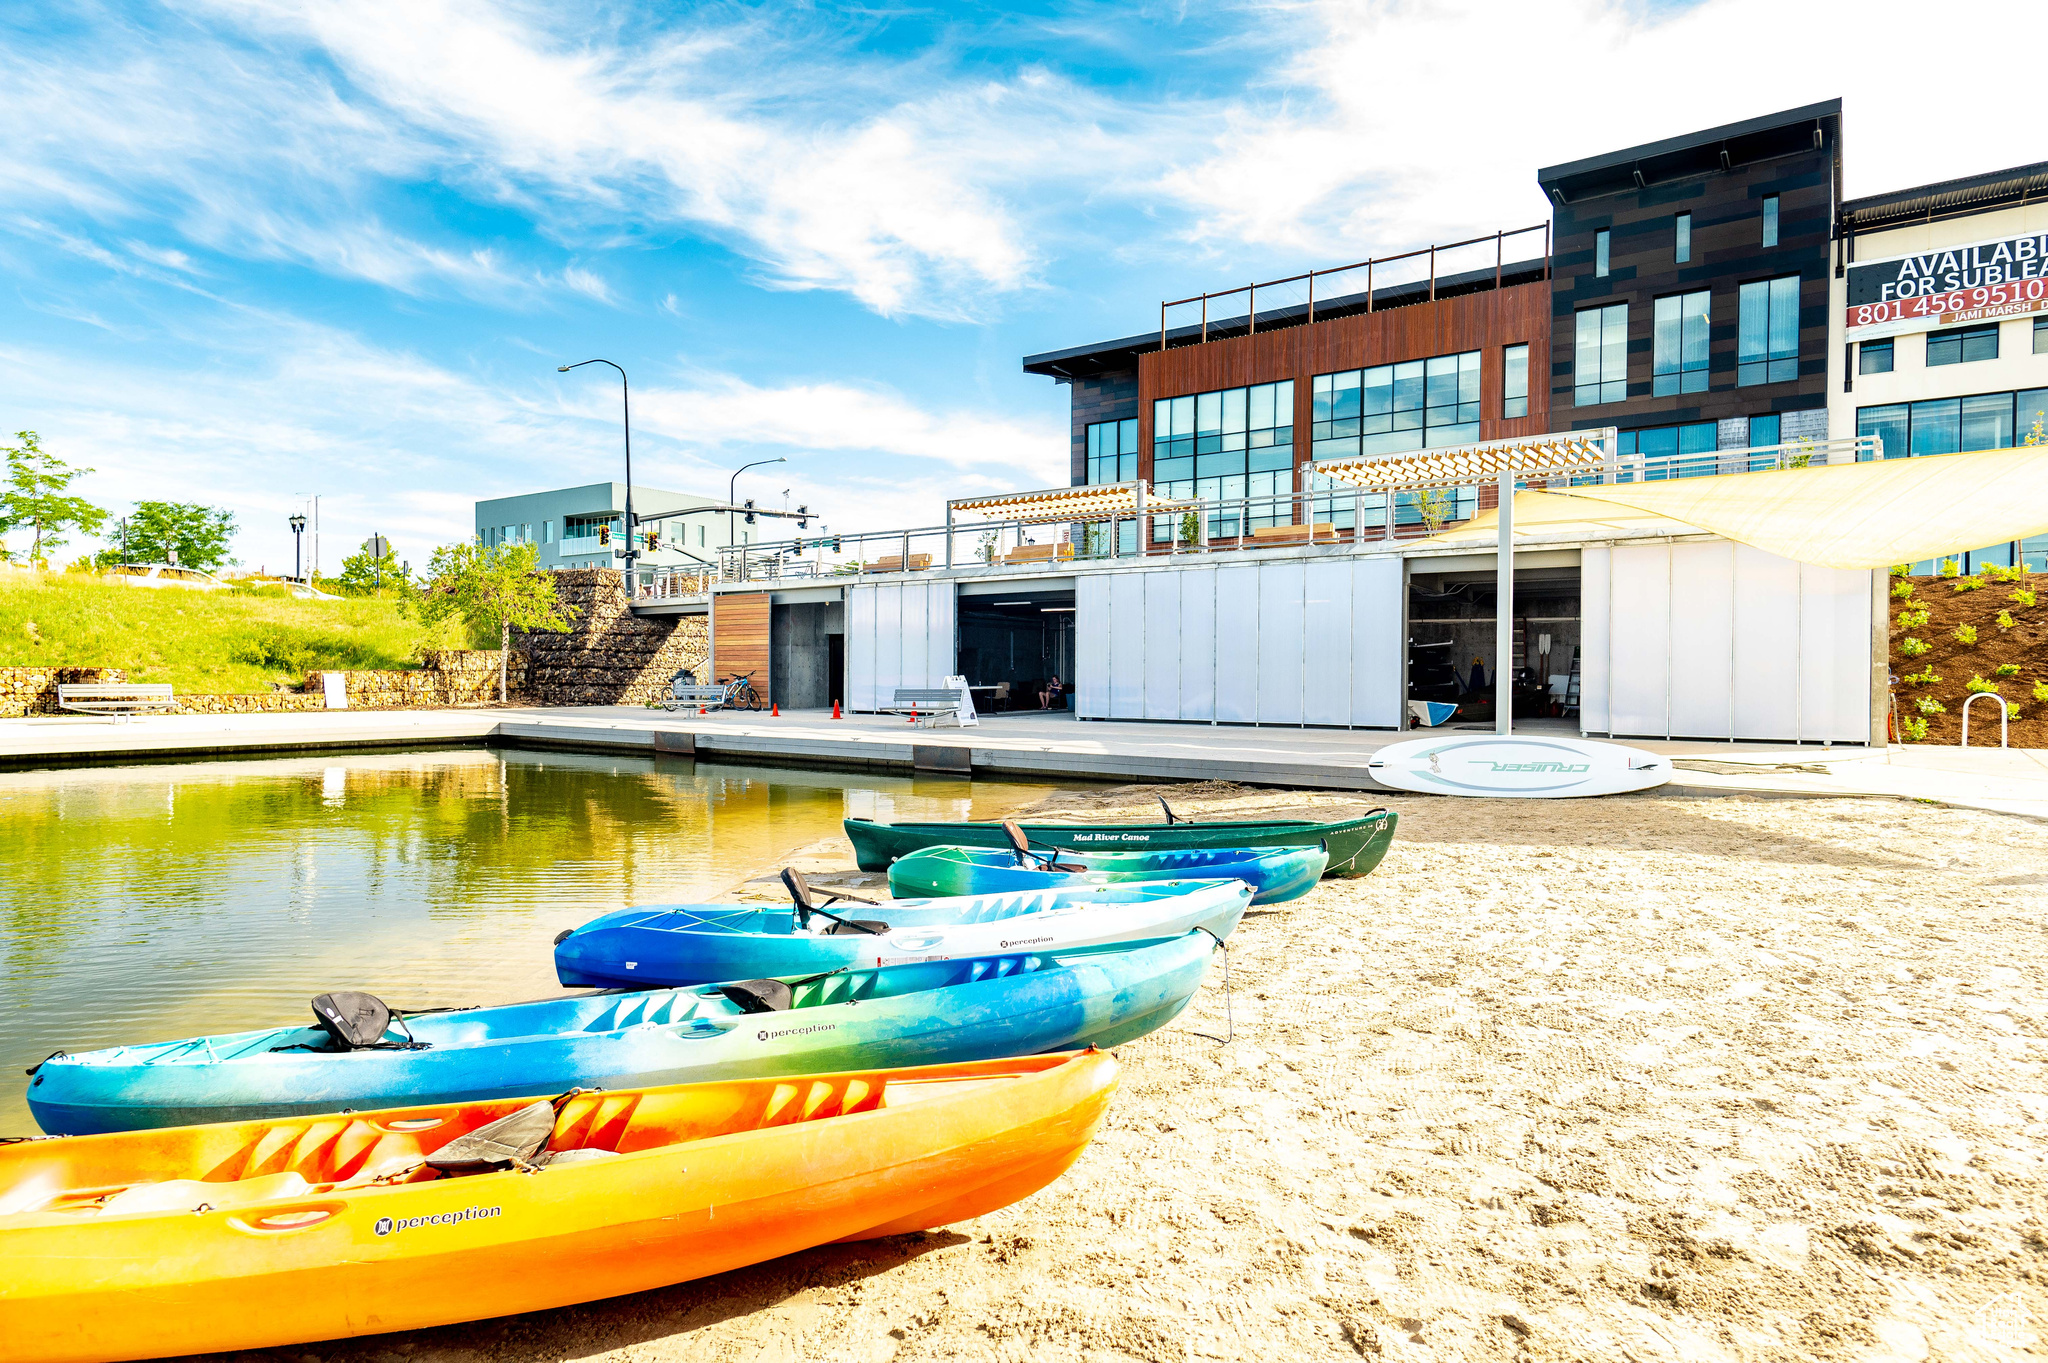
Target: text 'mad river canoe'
x=249, y=1235
x=1355, y=845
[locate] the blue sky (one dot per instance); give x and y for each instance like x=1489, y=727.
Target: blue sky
x=260, y=250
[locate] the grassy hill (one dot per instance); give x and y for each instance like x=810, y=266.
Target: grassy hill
x=201, y=642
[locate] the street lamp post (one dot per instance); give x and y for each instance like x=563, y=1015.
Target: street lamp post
x=626, y=407
x=732, y=489
x=298, y=524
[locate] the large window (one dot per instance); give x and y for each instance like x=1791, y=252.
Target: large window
x=1987, y=421
x=1668, y=443
x=1393, y=408
x=1226, y=446
x=1514, y=367
x=1113, y=451
x=1600, y=367
x=1680, y=344
x=1963, y=345
x=1767, y=331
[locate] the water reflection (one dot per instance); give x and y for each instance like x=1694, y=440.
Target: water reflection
x=141, y=903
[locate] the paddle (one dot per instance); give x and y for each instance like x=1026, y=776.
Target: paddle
x=1171, y=817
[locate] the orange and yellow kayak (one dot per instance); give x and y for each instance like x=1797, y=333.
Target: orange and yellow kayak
x=247, y=1234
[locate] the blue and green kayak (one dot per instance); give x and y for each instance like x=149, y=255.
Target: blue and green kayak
x=1355, y=846
x=1275, y=874
x=930, y=1013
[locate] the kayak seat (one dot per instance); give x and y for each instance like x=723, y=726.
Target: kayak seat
x=857, y=926
x=759, y=996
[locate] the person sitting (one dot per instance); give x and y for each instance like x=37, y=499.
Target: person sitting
x=1053, y=697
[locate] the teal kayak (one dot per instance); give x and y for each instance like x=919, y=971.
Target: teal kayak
x=1355, y=846
x=935, y=1012
x=1276, y=874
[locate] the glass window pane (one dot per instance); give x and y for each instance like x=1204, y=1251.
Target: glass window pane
x=1785, y=317
x=1127, y=437
x=1874, y=357
x=1698, y=309
x=1283, y=403
x=1888, y=423
x=1753, y=321
x=1614, y=345
x=1586, y=358
x=1600, y=252
x=1183, y=417
x=1987, y=422
x=1233, y=409
x=1208, y=413
x=1468, y=376
x=2032, y=416
x=1664, y=338
x=1684, y=238
x=1763, y=431
x=1260, y=417
x=1770, y=220
x=1937, y=426
x=1980, y=343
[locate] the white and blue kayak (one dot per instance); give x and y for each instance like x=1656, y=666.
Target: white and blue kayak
x=1276, y=874
x=686, y=944
x=1517, y=766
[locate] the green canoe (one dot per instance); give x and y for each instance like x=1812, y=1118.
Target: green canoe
x=1355, y=845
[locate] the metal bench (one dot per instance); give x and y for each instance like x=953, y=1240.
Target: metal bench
x=694, y=697
x=926, y=704
x=115, y=700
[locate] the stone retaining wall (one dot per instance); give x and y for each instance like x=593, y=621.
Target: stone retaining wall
x=612, y=657
x=449, y=677
x=33, y=690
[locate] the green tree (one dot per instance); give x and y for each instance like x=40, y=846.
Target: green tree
x=492, y=588
x=34, y=497
x=364, y=572
x=198, y=534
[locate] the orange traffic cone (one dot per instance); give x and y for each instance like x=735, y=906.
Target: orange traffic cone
x=835, y=709
x=700, y=710
x=774, y=710
x=913, y=714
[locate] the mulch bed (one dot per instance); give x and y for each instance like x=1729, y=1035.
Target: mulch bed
x=1954, y=663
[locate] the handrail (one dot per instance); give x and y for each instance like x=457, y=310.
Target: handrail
x=1499, y=240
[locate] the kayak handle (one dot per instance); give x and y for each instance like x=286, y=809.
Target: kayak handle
x=284, y=1220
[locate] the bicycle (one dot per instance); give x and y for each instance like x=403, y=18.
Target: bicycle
x=740, y=693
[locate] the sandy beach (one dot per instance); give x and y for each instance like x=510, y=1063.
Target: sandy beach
x=1639, y=1078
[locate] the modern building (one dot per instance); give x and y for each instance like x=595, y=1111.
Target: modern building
x=584, y=527
x=1938, y=319
x=1689, y=293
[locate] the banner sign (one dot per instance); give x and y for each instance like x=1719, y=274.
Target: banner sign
x=1981, y=282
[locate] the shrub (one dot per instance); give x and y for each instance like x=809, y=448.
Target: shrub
x=1912, y=647
x=1912, y=619
x=297, y=652
x=1900, y=569
x=2041, y=691
x=1977, y=686
x=1966, y=584
x=1902, y=590
x=1950, y=567
x=2004, y=620
x=1912, y=728
x=2007, y=670
x=1966, y=634
x=1928, y=705
x=2023, y=596
x=1924, y=677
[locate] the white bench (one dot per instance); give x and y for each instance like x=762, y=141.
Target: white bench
x=700, y=697
x=115, y=700
x=928, y=705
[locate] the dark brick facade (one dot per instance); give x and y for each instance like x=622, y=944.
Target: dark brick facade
x=1721, y=177
x=1108, y=396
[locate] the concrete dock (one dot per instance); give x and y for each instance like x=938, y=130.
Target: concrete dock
x=1027, y=745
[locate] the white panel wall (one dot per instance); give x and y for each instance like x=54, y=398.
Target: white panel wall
x=1379, y=641
x=1326, y=644
x=1162, y=645
x=1127, y=645
x=1237, y=637
x=860, y=649
x=1272, y=643
x=897, y=634
x=1596, y=568
x=1639, y=647
x=1283, y=589
x=1091, y=646
x=1702, y=624
x=1198, y=644
x=1720, y=640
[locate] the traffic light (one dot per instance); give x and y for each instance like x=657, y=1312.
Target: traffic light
x=654, y=539
x=750, y=511
x=803, y=518
x=604, y=534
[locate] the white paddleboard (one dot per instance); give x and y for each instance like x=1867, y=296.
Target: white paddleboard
x=1516, y=767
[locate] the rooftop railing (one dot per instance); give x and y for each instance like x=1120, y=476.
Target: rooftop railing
x=1165, y=527
x=1249, y=318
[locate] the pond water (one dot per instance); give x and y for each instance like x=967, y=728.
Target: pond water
x=153, y=902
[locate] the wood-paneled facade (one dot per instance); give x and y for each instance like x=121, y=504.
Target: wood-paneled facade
x=1487, y=322
x=739, y=637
